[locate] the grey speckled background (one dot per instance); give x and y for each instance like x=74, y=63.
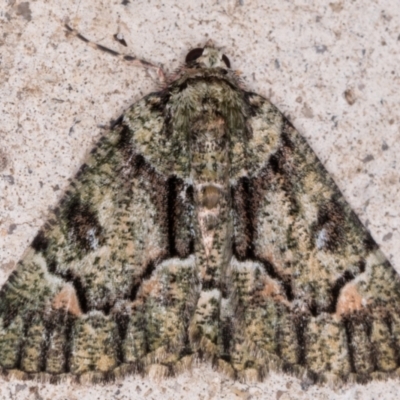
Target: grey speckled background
x=331, y=66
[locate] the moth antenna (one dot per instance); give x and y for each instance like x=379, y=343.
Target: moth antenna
x=155, y=71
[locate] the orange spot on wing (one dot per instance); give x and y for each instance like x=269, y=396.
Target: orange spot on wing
x=67, y=300
x=349, y=300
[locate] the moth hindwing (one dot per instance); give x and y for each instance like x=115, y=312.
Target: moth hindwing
x=202, y=227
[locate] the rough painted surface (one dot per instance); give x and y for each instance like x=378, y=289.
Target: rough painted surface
x=368, y=159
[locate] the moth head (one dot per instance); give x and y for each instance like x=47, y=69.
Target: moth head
x=207, y=57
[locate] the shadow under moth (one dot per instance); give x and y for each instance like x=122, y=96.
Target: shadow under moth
x=201, y=228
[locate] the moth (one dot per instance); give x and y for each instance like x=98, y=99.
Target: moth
x=201, y=228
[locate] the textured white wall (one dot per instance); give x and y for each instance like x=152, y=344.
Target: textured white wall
x=56, y=92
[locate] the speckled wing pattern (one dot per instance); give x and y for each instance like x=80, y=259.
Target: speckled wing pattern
x=202, y=227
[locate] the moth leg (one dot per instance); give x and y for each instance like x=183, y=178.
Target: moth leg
x=155, y=72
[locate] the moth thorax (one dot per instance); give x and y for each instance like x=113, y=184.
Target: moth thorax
x=210, y=151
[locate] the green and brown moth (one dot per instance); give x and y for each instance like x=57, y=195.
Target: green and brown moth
x=202, y=227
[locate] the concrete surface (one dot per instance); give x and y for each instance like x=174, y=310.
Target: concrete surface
x=331, y=66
